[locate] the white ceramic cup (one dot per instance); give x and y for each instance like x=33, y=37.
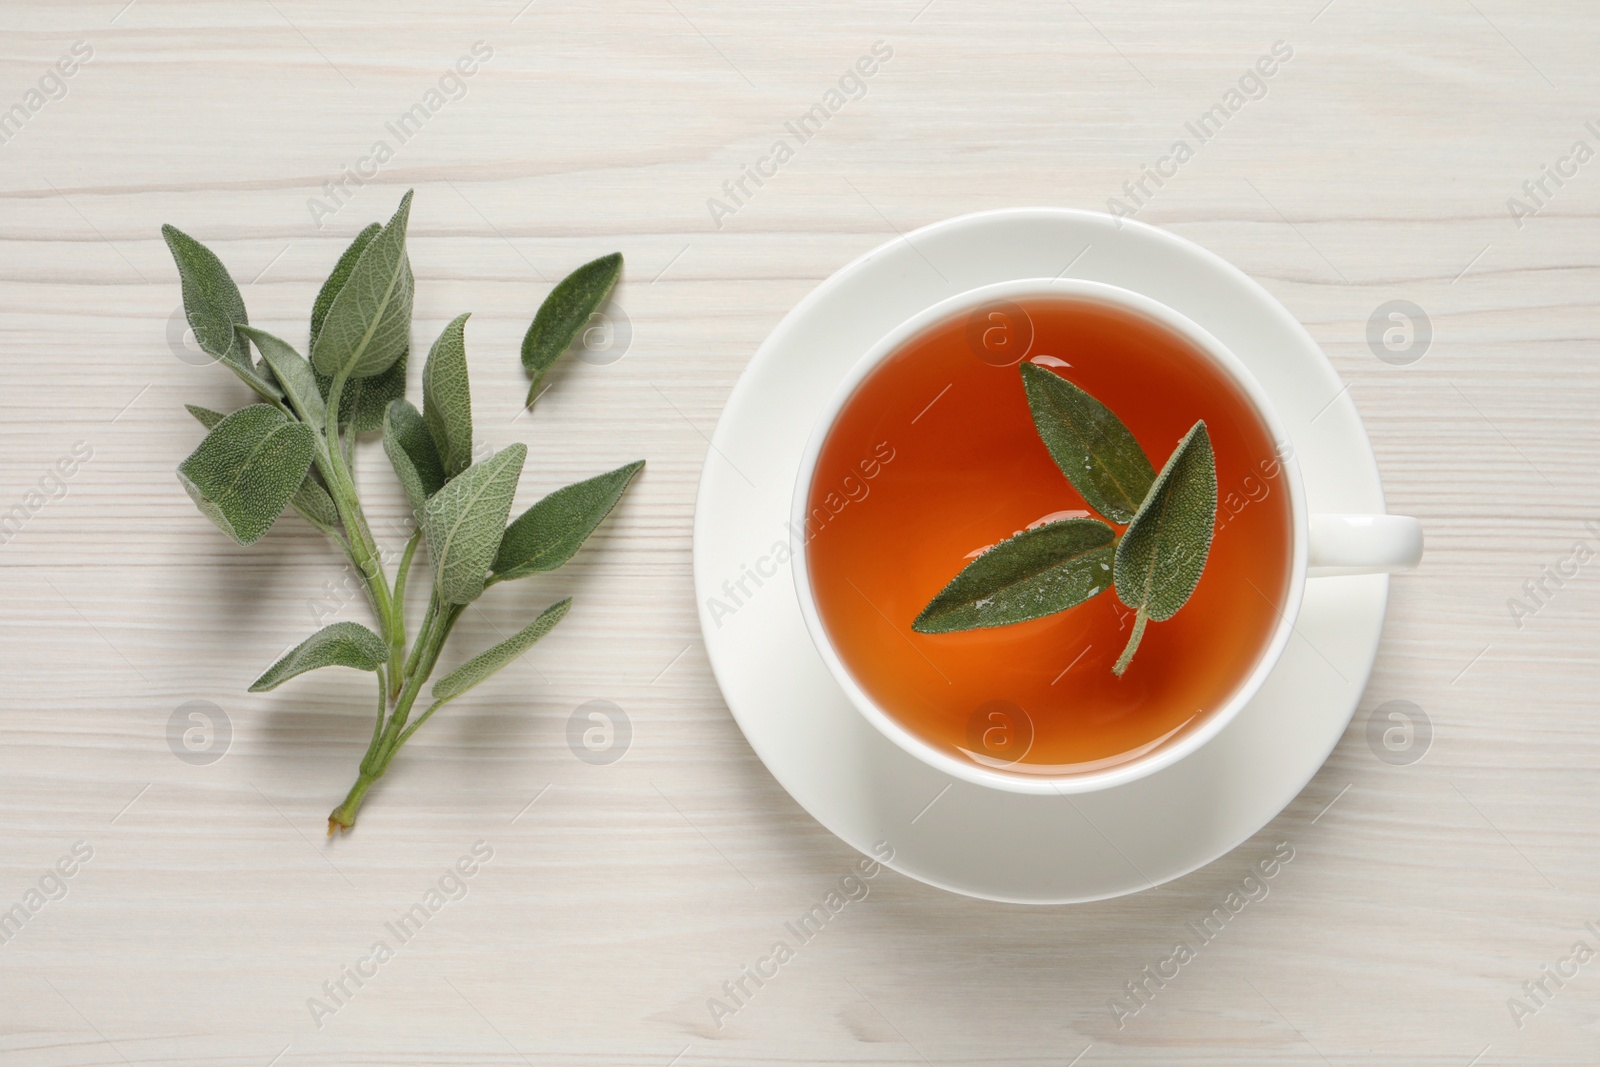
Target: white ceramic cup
x=1324, y=544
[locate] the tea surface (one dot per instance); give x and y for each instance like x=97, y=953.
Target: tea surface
x=935, y=457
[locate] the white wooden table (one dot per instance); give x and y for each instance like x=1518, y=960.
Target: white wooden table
x=1377, y=166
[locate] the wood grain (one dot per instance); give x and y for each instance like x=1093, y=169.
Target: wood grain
x=619, y=899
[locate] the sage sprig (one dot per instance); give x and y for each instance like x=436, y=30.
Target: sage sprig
x=295, y=445
x=1154, y=564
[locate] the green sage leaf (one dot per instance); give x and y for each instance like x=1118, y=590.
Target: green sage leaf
x=213, y=306
x=314, y=504
x=465, y=520
x=363, y=401
x=447, y=398
x=1164, y=549
x=1038, y=572
x=247, y=469
x=564, y=313
x=410, y=449
x=550, y=533
x=484, y=664
x=344, y=644
x=337, y=278
x=1093, y=448
x=311, y=500
x=205, y=416
x=368, y=325
x=293, y=375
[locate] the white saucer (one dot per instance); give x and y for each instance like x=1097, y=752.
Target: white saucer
x=947, y=833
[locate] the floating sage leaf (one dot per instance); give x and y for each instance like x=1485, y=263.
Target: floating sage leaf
x=363, y=401
x=1038, y=572
x=344, y=644
x=247, y=469
x=213, y=306
x=464, y=521
x=293, y=375
x=447, y=398
x=484, y=664
x=1091, y=445
x=410, y=449
x=1164, y=549
x=550, y=533
x=564, y=313
x=368, y=325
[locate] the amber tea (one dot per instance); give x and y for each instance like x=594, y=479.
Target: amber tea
x=969, y=471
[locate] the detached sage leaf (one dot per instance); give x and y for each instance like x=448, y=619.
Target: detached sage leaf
x=410, y=449
x=213, y=306
x=363, y=401
x=1164, y=549
x=484, y=664
x=344, y=644
x=1036, y=573
x=293, y=374
x=368, y=325
x=311, y=500
x=1091, y=445
x=550, y=533
x=247, y=468
x=464, y=521
x=447, y=398
x=564, y=313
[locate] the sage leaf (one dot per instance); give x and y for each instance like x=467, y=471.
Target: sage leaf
x=550, y=533
x=314, y=504
x=1038, y=572
x=337, y=278
x=564, y=313
x=410, y=449
x=368, y=325
x=311, y=500
x=205, y=416
x=293, y=375
x=447, y=398
x=213, y=306
x=1164, y=549
x=484, y=664
x=1093, y=448
x=363, y=400
x=344, y=644
x=464, y=521
x=246, y=470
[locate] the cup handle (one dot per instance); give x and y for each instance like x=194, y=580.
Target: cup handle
x=1363, y=544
